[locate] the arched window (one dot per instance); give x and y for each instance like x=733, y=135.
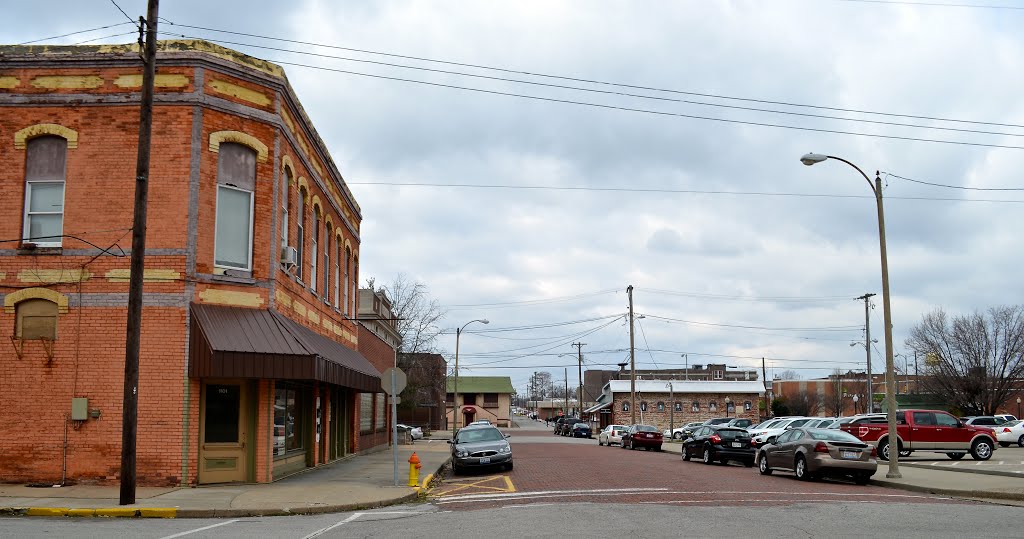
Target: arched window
x=355, y=283
x=312, y=249
x=286, y=182
x=236, y=181
x=300, y=229
x=348, y=269
x=45, y=171
x=625, y=406
x=661, y=406
x=327, y=262
x=36, y=319
x=643, y=406
x=337, y=269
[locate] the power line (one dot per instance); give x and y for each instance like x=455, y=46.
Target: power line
x=815, y=328
x=529, y=302
x=123, y=13
x=594, y=81
x=932, y=4
x=540, y=326
x=748, y=298
x=610, y=92
x=73, y=33
x=955, y=186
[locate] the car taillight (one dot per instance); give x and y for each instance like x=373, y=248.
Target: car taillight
x=820, y=447
x=874, y=451
x=716, y=439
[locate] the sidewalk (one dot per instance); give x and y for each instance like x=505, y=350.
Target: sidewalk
x=358, y=482
x=945, y=481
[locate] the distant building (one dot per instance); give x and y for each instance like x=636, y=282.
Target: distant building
x=675, y=402
x=480, y=397
x=423, y=401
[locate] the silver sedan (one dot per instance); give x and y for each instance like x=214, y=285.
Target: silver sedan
x=612, y=434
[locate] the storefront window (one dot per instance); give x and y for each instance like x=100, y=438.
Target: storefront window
x=287, y=421
x=365, y=412
x=379, y=421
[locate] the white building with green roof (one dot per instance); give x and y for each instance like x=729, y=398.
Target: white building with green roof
x=479, y=397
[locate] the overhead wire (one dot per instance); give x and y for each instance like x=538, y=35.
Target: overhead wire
x=530, y=302
x=73, y=33
x=887, y=174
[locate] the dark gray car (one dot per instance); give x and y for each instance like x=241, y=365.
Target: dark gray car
x=480, y=446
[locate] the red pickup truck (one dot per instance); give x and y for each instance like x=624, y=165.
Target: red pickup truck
x=927, y=430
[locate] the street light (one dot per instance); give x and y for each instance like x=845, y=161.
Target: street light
x=890, y=372
x=1018, y=407
x=672, y=409
x=855, y=399
x=727, y=403
x=455, y=394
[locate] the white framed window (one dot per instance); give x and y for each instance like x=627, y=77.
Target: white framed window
x=337, y=269
x=300, y=230
x=312, y=251
x=233, y=240
x=327, y=263
x=45, y=170
x=285, y=183
x=348, y=267
x=719, y=375
x=236, y=181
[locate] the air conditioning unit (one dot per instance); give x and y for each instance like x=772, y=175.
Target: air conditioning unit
x=289, y=256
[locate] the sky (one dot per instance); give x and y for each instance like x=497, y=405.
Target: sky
x=545, y=155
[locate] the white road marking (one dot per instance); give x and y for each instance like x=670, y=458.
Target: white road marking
x=204, y=528
x=520, y=496
x=329, y=528
x=517, y=494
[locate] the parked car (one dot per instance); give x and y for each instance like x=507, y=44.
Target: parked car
x=928, y=430
x=644, y=436
x=740, y=422
x=1006, y=417
x=822, y=423
x=812, y=453
x=682, y=433
x=1011, y=432
x=479, y=446
x=415, y=433
x=760, y=436
x=580, y=430
x=480, y=422
x=612, y=434
x=564, y=423
x=719, y=443
x=718, y=421
x=983, y=421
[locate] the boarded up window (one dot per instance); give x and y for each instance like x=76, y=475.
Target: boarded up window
x=490, y=400
x=380, y=421
x=36, y=319
x=365, y=412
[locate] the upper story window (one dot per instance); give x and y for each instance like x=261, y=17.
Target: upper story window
x=45, y=170
x=327, y=262
x=348, y=269
x=661, y=406
x=719, y=375
x=300, y=230
x=490, y=400
x=312, y=249
x=285, y=185
x=36, y=319
x=236, y=181
x=337, y=269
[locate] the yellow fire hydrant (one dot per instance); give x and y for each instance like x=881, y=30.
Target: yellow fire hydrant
x=414, y=470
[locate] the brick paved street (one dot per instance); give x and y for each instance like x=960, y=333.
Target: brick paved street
x=552, y=469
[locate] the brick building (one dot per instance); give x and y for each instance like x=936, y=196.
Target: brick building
x=423, y=399
x=480, y=397
x=595, y=380
x=249, y=368
x=379, y=342
x=677, y=402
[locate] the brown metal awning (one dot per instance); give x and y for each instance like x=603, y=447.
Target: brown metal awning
x=236, y=342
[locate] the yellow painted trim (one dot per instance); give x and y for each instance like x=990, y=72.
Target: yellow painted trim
x=81, y=512
x=240, y=92
x=231, y=297
x=148, y=276
x=314, y=202
x=288, y=121
x=339, y=236
x=53, y=276
x=313, y=316
x=303, y=184
x=286, y=163
x=348, y=245
x=47, y=511
x=12, y=299
x=116, y=512
x=3, y=275
x=328, y=221
x=22, y=136
x=161, y=81
x=67, y=82
x=299, y=308
x=158, y=512
x=219, y=137
x=283, y=298
x=9, y=82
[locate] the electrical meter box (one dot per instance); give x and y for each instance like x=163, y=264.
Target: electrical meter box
x=79, y=409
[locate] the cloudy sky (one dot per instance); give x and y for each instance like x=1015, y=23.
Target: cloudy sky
x=529, y=160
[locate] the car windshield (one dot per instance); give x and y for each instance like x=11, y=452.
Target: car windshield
x=479, y=435
x=646, y=428
x=1013, y=423
x=799, y=422
x=832, y=435
x=581, y=426
x=731, y=434
x=617, y=427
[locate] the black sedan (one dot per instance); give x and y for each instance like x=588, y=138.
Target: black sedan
x=717, y=443
x=478, y=446
x=580, y=430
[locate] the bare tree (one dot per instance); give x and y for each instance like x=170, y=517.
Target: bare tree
x=833, y=399
x=418, y=316
x=973, y=361
x=787, y=375
x=803, y=403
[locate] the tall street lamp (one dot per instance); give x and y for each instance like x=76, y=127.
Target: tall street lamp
x=890, y=371
x=727, y=403
x=1018, y=407
x=455, y=393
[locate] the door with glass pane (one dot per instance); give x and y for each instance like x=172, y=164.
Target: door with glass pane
x=223, y=432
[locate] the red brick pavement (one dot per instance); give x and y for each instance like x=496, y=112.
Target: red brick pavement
x=557, y=472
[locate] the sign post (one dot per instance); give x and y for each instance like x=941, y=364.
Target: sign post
x=393, y=381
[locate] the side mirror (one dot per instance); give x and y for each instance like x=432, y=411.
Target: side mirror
x=451, y=442
x=508, y=435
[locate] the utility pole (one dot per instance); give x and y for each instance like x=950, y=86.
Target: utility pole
x=579, y=354
x=133, y=337
x=917, y=380
x=867, y=346
x=764, y=376
x=566, y=391
x=632, y=361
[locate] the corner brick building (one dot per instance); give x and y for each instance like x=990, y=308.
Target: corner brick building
x=249, y=364
x=685, y=402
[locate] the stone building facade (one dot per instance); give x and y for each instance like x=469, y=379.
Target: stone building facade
x=685, y=402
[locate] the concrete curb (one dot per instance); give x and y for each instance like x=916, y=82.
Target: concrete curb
x=984, y=494
x=958, y=469
x=171, y=512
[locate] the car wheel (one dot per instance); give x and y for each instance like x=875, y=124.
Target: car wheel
x=686, y=454
x=800, y=468
x=748, y=463
x=599, y=442
x=981, y=450
x=862, y=478
x=707, y=455
x=508, y=467
x=622, y=444
x=955, y=456
x=677, y=436
x=883, y=450
x=762, y=465
x=1020, y=441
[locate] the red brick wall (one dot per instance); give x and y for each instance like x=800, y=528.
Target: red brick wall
x=661, y=419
